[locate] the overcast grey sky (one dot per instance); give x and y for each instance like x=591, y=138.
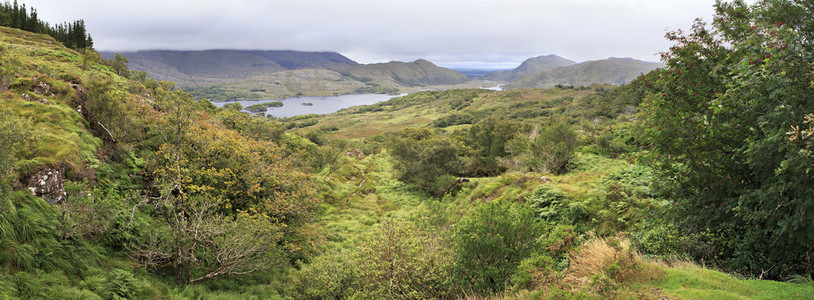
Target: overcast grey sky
x=451, y=33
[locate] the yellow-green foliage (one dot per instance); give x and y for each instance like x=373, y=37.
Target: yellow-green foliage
x=359, y=193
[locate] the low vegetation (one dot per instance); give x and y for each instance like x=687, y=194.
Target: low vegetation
x=113, y=185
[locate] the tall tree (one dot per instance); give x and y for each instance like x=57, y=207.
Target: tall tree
x=717, y=124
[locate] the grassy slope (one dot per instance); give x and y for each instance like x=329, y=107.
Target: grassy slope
x=692, y=282
x=357, y=122
x=350, y=209
x=351, y=213
x=62, y=137
x=61, y=134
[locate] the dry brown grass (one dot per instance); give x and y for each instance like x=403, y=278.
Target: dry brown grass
x=602, y=265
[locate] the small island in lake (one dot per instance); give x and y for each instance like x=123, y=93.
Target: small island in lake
x=307, y=104
x=262, y=107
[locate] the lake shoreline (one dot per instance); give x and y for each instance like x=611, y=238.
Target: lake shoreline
x=296, y=106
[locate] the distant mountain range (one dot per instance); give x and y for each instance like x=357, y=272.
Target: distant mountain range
x=231, y=63
x=531, y=65
x=615, y=71
x=280, y=74
x=229, y=74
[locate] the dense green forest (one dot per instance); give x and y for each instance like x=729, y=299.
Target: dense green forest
x=692, y=181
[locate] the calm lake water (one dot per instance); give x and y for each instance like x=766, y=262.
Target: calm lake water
x=321, y=105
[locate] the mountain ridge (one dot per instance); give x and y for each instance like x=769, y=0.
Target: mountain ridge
x=613, y=70
x=531, y=65
x=258, y=74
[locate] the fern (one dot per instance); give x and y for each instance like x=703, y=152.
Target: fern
x=800, y=279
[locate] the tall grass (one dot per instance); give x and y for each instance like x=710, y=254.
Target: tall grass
x=602, y=266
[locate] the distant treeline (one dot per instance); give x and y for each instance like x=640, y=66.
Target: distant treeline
x=72, y=35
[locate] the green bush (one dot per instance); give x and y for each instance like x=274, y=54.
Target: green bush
x=490, y=244
x=666, y=240
x=555, y=147
x=559, y=241
x=533, y=272
x=659, y=240
x=488, y=140
x=455, y=119
x=399, y=261
x=328, y=276
x=427, y=160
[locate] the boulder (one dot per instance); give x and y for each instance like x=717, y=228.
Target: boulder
x=355, y=152
x=41, y=88
x=29, y=98
x=49, y=184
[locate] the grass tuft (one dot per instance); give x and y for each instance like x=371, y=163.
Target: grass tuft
x=604, y=265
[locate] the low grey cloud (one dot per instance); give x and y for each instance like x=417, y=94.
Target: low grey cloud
x=485, y=33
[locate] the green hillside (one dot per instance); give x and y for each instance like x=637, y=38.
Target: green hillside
x=682, y=184
x=614, y=71
x=417, y=73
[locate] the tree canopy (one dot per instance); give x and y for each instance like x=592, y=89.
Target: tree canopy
x=718, y=122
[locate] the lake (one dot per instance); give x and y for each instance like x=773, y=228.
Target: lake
x=321, y=105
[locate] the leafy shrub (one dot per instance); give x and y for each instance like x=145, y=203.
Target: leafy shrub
x=534, y=272
x=426, y=160
x=609, y=144
x=301, y=124
x=399, y=261
x=555, y=147
x=455, y=119
x=659, y=240
x=559, y=241
x=492, y=242
x=328, y=276
x=488, y=139
x=667, y=241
